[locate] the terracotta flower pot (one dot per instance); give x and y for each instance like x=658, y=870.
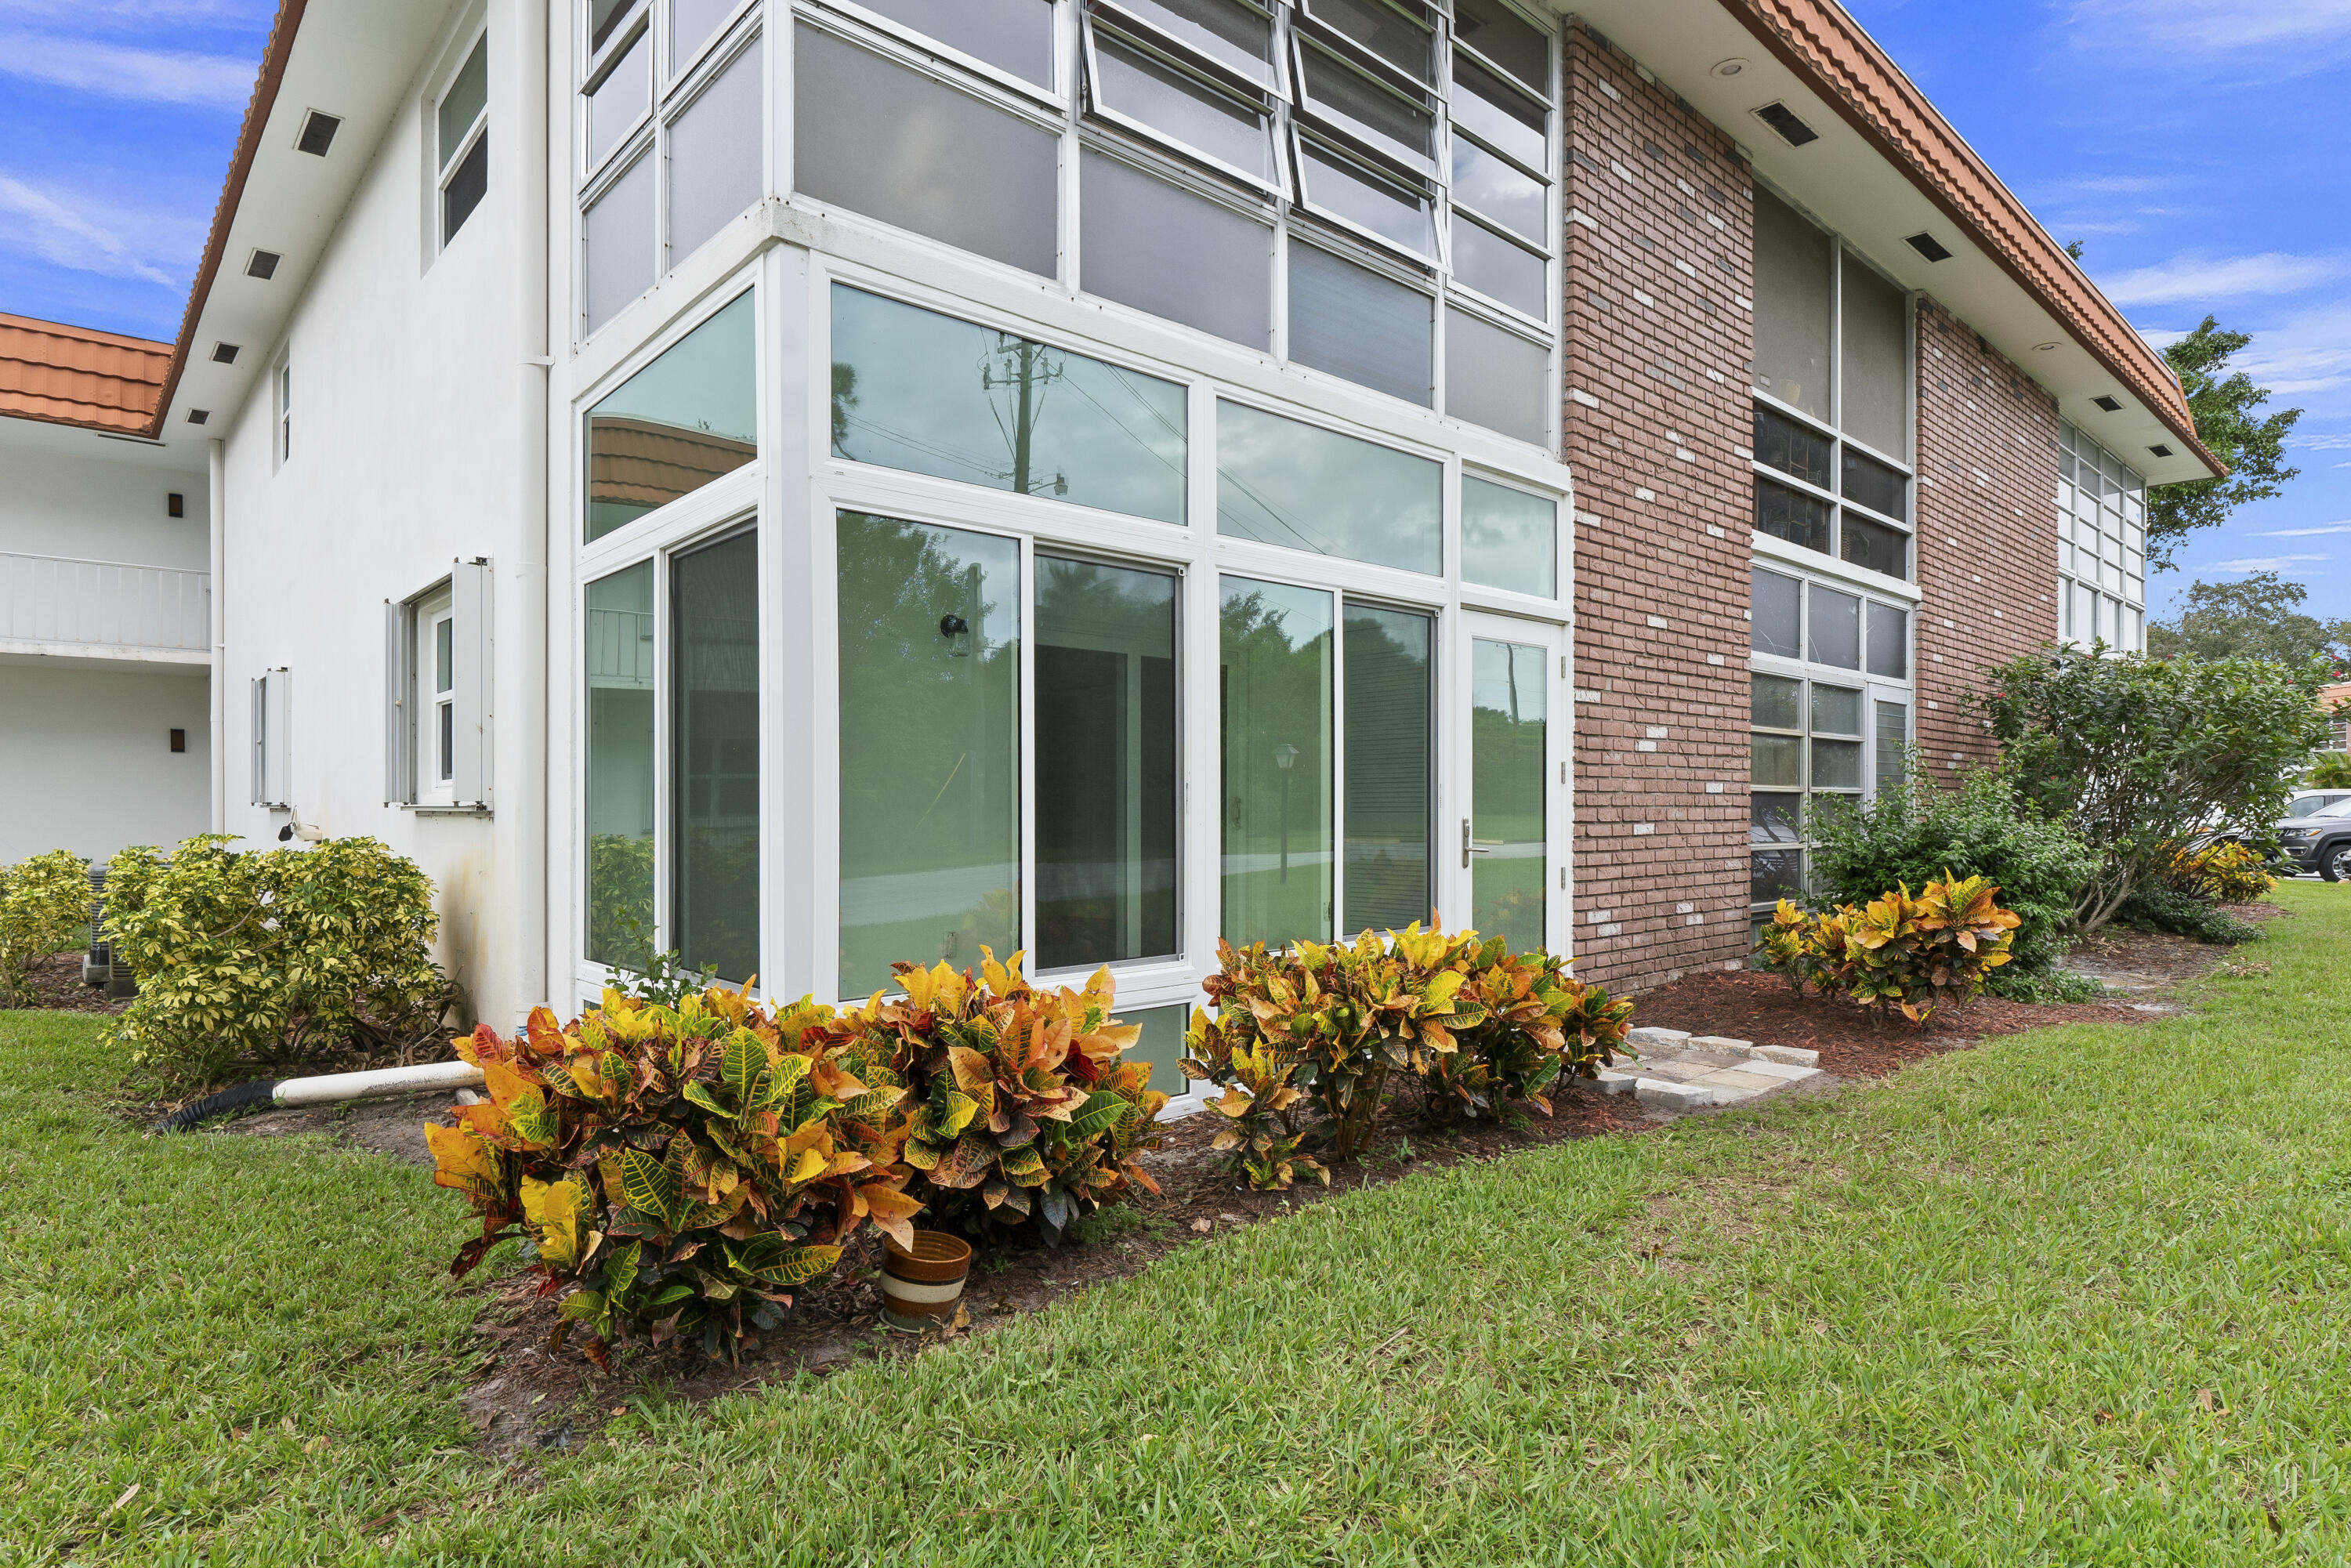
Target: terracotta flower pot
x=922, y=1285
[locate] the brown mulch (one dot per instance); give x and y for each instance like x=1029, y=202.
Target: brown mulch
x=56, y=983
x=521, y=1396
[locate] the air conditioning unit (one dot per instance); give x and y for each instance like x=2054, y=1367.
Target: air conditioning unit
x=98, y=967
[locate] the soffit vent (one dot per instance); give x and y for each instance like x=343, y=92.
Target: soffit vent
x=318, y=133
x=1783, y=118
x=2109, y=404
x=1928, y=245
x=262, y=266
x=198, y=415
x=2160, y=451
x=227, y=353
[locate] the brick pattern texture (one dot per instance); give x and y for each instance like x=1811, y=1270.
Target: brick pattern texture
x=1987, y=515
x=1660, y=330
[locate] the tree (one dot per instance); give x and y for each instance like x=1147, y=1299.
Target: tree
x=2143, y=754
x=2251, y=449
x=2253, y=619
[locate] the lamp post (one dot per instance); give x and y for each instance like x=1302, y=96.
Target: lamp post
x=1283, y=756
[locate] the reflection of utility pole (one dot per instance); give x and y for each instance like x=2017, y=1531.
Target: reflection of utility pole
x=1027, y=369
x=1283, y=756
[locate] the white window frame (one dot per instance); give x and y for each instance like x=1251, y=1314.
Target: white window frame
x=2115, y=548
x=414, y=706
x=272, y=745
x=441, y=174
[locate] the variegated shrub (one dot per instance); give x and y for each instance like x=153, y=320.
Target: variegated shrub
x=1914, y=955
x=685, y=1169
x=1304, y=1042
x=1019, y=1111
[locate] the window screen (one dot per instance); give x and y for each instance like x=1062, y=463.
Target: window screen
x=618, y=240
x=1359, y=324
x=716, y=167
x=1497, y=379
x=1792, y=307
x=1149, y=243
x=1874, y=345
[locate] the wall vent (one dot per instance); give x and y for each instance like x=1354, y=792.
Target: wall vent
x=318, y=133
x=2160, y=450
x=2109, y=404
x=1783, y=118
x=227, y=353
x=263, y=265
x=198, y=415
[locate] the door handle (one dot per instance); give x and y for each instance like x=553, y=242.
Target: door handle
x=1465, y=844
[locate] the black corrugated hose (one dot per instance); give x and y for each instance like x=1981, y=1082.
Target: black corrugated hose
x=260, y=1089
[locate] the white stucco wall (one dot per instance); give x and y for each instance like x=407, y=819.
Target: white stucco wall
x=82, y=496
x=416, y=442
x=86, y=762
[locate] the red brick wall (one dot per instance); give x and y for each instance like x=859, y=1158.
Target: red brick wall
x=1659, y=333
x=1986, y=527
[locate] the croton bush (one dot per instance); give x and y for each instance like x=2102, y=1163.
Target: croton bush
x=2222, y=872
x=685, y=1170
x=1305, y=1043
x=1914, y=954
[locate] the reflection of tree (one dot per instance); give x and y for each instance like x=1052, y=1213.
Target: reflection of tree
x=621, y=900
x=1506, y=724
x=928, y=735
x=1388, y=756
x=844, y=398
x=1275, y=693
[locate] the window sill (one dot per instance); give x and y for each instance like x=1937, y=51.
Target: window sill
x=443, y=809
x=1821, y=564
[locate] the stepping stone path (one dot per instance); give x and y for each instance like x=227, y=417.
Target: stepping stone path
x=1677, y=1071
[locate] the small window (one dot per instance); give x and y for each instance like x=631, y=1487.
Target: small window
x=272, y=740
x=1151, y=244
x=1359, y=324
x=462, y=125
x=1833, y=630
x=1787, y=513
x=1152, y=95
x=284, y=440
x=1378, y=202
x=436, y=685
x=619, y=97
x=1889, y=642
x=1504, y=38
x=1501, y=269
x=1284, y=483
x=1234, y=34
x=1793, y=449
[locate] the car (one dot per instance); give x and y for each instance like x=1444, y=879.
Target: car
x=2309, y=802
x=2320, y=841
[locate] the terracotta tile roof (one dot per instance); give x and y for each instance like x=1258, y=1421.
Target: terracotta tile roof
x=72, y=375
x=1820, y=43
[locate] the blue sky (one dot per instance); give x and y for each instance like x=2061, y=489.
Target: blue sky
x=2199, y=147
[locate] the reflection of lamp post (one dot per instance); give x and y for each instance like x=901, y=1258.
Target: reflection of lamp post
x=1283, y=756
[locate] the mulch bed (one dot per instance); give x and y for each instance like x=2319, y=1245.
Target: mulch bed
x=56, y=983
x=521, y=1396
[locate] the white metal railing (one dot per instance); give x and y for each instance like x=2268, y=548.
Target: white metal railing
x=103, y=604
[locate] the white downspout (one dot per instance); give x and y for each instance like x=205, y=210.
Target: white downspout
x=534, y=218
x=216, y=516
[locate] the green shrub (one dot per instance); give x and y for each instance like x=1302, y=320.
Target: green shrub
x=43, y=899
x=1917, y=955
x=1020, y=1112
x=1316, y=1032
x=2221, y=872
x=684, y=1169
x=272, y=958
x=1917, y=832
x=2159, y=906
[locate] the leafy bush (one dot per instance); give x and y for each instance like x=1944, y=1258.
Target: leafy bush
x=43, y=899
x=1316, y=1032
x=2140, y=755
x=686, y=1168
x=273, y=958
x=2159, y=906
x=2331, y=771
x=1919, y=955
x=1018, y=1110
x=1918, y=833
x=621, y=898
x=2222, y=872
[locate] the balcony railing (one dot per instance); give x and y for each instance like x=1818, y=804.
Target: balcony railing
x=101, y=605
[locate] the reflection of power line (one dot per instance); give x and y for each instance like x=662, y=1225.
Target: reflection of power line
x=1226, y=477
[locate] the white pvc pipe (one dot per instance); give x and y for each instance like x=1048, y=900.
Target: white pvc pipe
x=335, y=1086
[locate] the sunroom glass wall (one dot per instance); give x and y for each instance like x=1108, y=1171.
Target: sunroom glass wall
x=929, y=741
x=1276, y=685
x=621, y=770
x=715, y=598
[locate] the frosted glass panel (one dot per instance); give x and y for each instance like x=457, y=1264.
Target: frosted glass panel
x=1509, y=537
x=1494, y=267
x=620, y=783
x=1285, y=483
x=1390, y=754
x=1150, y=245
x=1355, y=323
x=618, y=242
x=915, y=390
x=873, y=138
x=619, y=100
x=1876, y=347
x=1015, y=35
x=715, y=166
x=1497, y=379
x=1792, y=307
x=1275, y=806
x=930, y=739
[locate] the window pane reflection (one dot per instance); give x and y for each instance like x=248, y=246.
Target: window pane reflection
x=620, y=783
x=1275, y=685
x=1284, y=483
x=1508, y=721
x=683, y=421
x=1779, y=615
x=1390, y=750
x=915, y=390
x=619, y=102
x=1509, y=537
x=1165, y=250
x=1833, y=635
x=930, y=726
x=1105, y=777
x=714, y=600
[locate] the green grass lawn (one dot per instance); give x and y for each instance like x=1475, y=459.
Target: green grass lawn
x=2081, y=1296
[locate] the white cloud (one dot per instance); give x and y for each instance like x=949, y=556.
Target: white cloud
x=2304, y=533
x=112, y=71
x=87, y=239
x=2332, y=441
x=2307, y=352
x=2165, y=26
x=2266, y=562
x=2201, y=279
